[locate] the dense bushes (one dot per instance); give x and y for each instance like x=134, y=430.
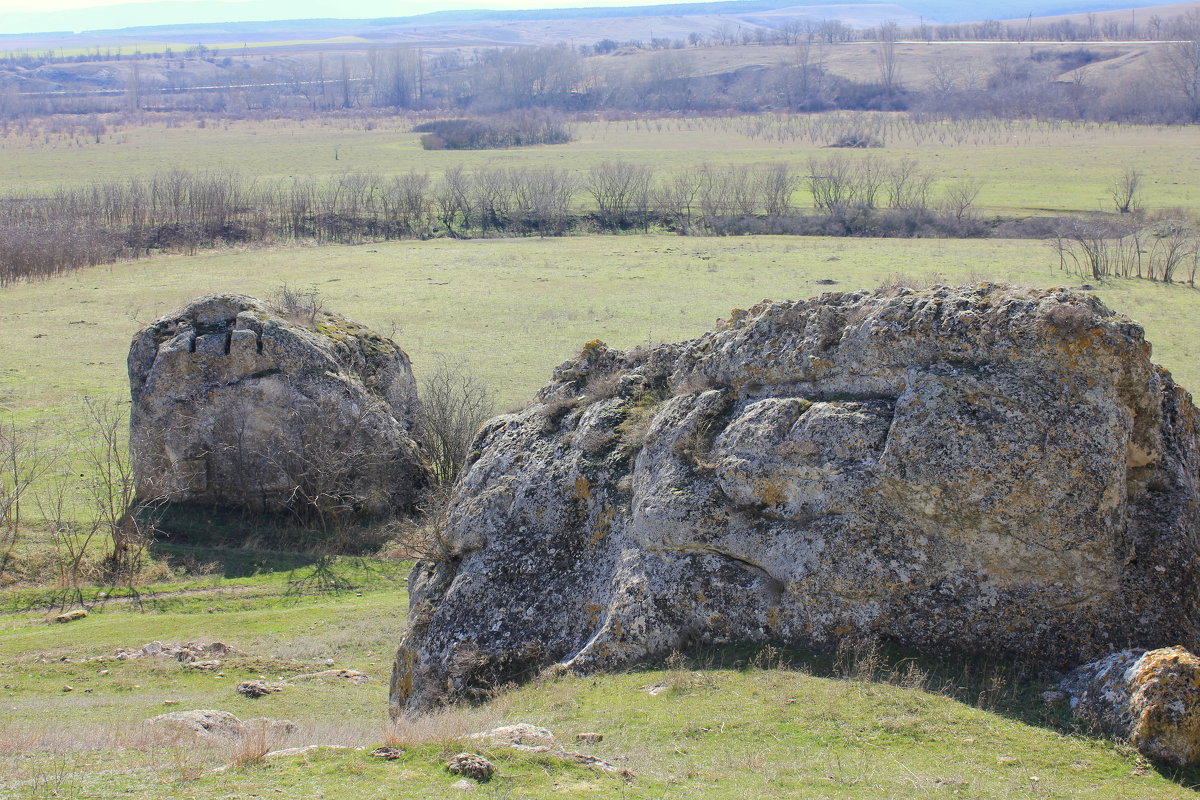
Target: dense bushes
x=511, y=130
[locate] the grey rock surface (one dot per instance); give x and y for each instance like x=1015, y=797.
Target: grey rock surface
x=977, y=470
x=236, y=405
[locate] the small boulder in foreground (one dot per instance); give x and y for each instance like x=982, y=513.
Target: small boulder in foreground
x=1149, y=698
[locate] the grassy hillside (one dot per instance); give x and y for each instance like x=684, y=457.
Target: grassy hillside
x=717, y=724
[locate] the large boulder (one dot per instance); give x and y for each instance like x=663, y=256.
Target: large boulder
x=1150, y=699
x=978, y=470
x=235, y=404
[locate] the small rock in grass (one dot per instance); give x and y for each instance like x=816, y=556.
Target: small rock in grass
x=473, y=766
x=517, y=733
x=388, y=752
x=1053, y=697
x=203, y=723
x=257, y=688
x=351, y=675
x=463, y=785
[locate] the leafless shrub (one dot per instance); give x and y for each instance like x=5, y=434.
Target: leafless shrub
x=447, y=727
x=960, y=195
x=116, y=510
x=1124, y=190
x=302, y=307
x=454, y=404
x=24, y=460
x=859, y=658
x=620, y=190
x=249, y=749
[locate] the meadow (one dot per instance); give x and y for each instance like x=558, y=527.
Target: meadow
x=724, y=724
x=513, y=309
x=712, y=724
x=1026, y=167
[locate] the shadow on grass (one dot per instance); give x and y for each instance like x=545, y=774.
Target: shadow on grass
x=230, y=562
x=1010, y=690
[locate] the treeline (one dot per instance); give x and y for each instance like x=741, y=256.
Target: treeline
x=675, y=78
x=182, y=212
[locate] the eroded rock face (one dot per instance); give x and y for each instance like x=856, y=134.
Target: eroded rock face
x=975, y=470
x=234, y=405
x=1150, y=699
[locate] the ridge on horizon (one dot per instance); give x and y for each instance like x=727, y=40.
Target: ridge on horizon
x=132, y=18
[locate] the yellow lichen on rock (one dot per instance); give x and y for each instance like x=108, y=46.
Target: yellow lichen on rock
x=1149, y=698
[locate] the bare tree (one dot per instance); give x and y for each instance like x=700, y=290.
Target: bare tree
x=889, y=74
x=24, y=459
x=454, y=404
x=907, y=187
x=621, y=191
x=1124, y=190
x=1183, y=62
x=676, y=196
x=775, y=184
x=452, y=196
x=960, y=195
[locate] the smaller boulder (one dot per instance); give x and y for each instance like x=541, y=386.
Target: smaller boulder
x=202, y=723
x=518, y=733
x=388, y=752
x=473, y=766
x=257, y=688
x=1149, y=698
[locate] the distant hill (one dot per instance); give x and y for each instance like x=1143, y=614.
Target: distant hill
x=211, y=22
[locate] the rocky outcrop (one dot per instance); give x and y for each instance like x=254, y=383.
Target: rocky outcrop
x=959, y=470
x=237, y=405
x=1149, y=699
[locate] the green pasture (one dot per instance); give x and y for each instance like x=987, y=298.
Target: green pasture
x=720, y=723
x=1026, y=167
x=513, y=309
x=723, y=724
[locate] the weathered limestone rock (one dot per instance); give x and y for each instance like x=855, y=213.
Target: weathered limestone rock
x=968, y=470
x=203, y=723
x=473, y=766
x=1150, y=699
x=235, y=405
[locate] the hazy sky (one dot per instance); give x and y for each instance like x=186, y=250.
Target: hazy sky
x=352, y=8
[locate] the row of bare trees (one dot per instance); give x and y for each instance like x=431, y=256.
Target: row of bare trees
x=181, y=211
x=1097, y=249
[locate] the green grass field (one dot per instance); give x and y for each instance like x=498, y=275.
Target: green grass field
x=1026, y=167
x=730, y=725
x=513, y=309
x=724, y=724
